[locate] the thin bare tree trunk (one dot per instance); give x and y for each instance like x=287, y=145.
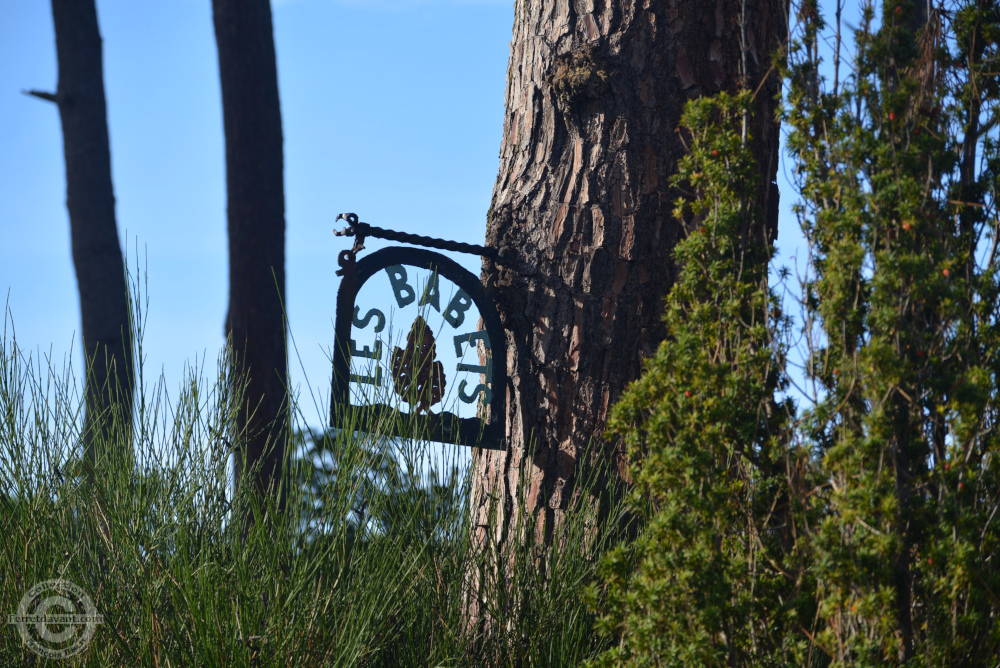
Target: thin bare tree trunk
x=90, y=199
x=582, y=215
x=255, y=325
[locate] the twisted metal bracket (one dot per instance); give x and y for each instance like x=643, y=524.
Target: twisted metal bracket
x=360, y=230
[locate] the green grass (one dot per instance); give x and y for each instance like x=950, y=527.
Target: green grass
x=369, y=566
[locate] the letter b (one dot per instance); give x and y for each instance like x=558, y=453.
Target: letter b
x=459, y=304
x=404, y=293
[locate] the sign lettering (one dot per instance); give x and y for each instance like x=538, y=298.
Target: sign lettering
x=459, y=304
x=432, y=293
x=404, y=293
x=378, y=366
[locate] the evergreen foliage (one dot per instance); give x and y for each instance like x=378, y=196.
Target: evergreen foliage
x=897, y=169
x=704, y=433
x=861, y=529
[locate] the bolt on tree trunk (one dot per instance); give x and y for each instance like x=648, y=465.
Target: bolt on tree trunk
x=97, y=257
x=582, y=215
x=255, y=324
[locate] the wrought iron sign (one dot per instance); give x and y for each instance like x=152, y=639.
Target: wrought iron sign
x=446, y=367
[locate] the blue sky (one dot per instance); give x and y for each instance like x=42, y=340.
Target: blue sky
x=391, y=108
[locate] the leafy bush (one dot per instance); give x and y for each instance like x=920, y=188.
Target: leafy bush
x=860, y=529
x=705, y=436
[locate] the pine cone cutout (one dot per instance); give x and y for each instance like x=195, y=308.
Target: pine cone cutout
x=418, y=377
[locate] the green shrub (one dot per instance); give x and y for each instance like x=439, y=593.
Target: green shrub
x=897, y=169
x=703, y=584
x=861, y=528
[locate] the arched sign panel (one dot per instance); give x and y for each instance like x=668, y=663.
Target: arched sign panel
x=417, y=334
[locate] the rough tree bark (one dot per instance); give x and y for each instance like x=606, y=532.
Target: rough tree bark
x=90, y=199
x=582, y=214
x=255, y=324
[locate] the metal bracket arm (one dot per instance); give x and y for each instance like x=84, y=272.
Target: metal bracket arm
x=360, y=230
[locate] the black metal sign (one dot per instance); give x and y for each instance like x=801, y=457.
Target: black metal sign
x=443, y=309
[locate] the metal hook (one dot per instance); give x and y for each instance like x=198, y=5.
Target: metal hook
x=355, y=229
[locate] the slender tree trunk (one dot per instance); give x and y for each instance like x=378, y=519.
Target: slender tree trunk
x=90, y=199
x=255, y=324
x=582, y=214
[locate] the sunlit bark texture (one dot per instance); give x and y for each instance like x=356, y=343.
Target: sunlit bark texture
x=255, y=325
x=582, y=215
x=90, y=199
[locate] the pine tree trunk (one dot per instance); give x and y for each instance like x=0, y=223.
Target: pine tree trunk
x=582, y=215
x=90, y=199
x=255, y=325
